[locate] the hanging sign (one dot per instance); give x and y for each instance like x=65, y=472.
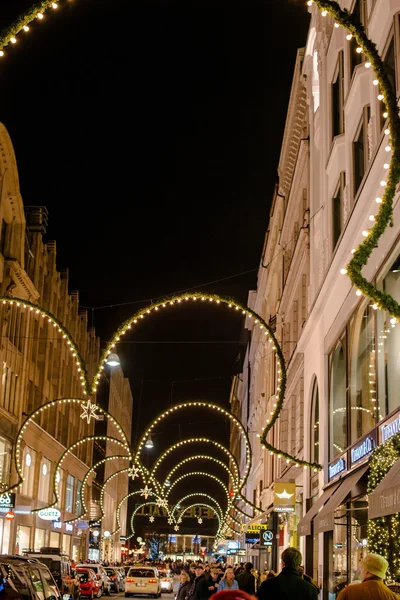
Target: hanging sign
x=82, y=525
x=267, y=537
x=284, y=496
x=49, y=514
x=7, y=502
x=10, y=515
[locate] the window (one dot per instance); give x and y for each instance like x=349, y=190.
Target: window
x=356, y=58
x=363, y=391
x=338, y=209
x=389, y=61
x=50, y=589
x=5, y=531
x=315, y=81
x=338, y=401
x=59, y=482
x=314, y=435
x=361, y=149
x=69, y=493
x=28, y=471
x=5, y=461
x=78, y=503
x=37, y=583
x=44, y=480
x=22, y=539
x=338, y=97
x=40, y=538
x=54, y=539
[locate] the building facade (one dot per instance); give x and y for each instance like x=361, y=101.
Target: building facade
x=38, y=367
x=341, y=353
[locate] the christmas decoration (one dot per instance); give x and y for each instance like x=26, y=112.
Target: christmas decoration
x=89, y=412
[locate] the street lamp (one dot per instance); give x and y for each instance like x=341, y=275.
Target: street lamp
x=167, y=483
x=113, y=360
x=149, y=442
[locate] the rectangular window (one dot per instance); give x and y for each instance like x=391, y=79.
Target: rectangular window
x=337, y=210
x=40, y=538
x=28, y=471
x=44, y=480
x=22, y=539
x=361, y=150
x=338, y=97
x=69, y=493
x=78, y=503
x=5, y=461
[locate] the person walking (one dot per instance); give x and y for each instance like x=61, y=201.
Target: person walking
x=289, y=583
x=373, y=572
x=246, y=579
x=213, y=584
x=184, y=586
x=228, y=582
x=199, y=588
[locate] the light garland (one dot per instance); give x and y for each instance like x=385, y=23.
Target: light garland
x=384, y=217
x=384, y=532
x=204, y=457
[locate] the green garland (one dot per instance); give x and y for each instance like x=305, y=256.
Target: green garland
x=23, y=20
x=384, y=532
x=384, y=217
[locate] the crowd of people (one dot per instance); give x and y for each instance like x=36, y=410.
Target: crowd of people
x=218, y=581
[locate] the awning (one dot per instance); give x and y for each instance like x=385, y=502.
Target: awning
x=385, y=499
x=325, y=519
x=304, y=525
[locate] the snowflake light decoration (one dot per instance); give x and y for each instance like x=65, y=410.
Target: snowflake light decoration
x=151, y=519
x=146, y=491
x=176, y=527
x=162, y=502
x=170, y=521
x=133, y=472
x=89, y=412
x=200, y=520
x=179, y=520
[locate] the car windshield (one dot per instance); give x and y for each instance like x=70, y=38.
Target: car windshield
x=162, y=573
x=141, y=573
x=110, y=572
x=83, y=577
x=54, y=566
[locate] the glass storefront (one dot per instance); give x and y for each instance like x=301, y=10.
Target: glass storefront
x=5, y=530
x=338, y=372
x=54, y=539
x=22, y=539
x=66, y=544
x=5, y=461
x=40, y=538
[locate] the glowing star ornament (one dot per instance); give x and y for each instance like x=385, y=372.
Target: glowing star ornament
x=176, y=528
x=284, y=495
x=161, y=502
x=170, y=521
x=133, y=472
x=200, y=520
x=146, y=491
x=179, y=520
x=89, y=412
x=151, y=519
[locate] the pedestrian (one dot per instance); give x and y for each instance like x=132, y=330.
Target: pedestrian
x=199, y=588
x=184, y=586
x=307, y=577
x=213, y=584
x=373, y=572
x=289, y=583
x=191, y=572
x=233, y=595
x=228, y=582
x=246, y=579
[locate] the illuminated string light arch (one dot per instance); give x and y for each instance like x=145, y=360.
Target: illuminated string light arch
x=203, y=457
x=135, y=511
x=193, y=495
x=206, y=505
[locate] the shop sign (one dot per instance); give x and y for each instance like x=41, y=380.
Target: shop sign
x=122, y=538
x=267, y=537
x=57, y=524
x=389, y=428
x=336, y=467
x=10, y=515
x=82, y=525
x=256, y=527
x=362, y=449
x=284, y=496
x=241, y=552
x=7, y=501
x=49, y=514
x=252, y=537
x=69, y=527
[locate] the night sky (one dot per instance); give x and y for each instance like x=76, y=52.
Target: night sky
x=151, y=131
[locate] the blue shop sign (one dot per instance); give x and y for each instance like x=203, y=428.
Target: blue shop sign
x=337, y=467
x=363, y=448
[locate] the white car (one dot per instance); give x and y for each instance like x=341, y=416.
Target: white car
x=142, y=580
x=167, y=581
x=100, y=574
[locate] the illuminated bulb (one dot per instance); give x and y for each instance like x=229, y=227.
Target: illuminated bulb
x=40, y=15
x=393, y=321
x=385, y=115
x=367, y=64
x=26, y=28
x=309, y=3
x=380, y=96
x=358, y=293
x=375, y=306
x=371, y=218
x=336, y=25
x=365, y=233
x=353, y=250
x=359, y=50
x=387, y=131
x=387, y=148
x=383, y=183
x=375, y=82
x=386, y=166
x=349, y=36
x=324, y=13
x=343, y=271
x=13, y=40
x=2, y=54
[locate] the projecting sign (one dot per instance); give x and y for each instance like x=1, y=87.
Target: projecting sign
x=49, y=514
x=284, y=496
x=362, y=449
x=389, y=428
x=336, y=467
x=7, y=501
x=252, y=537
x=267, y=537
x=256, y=527
x=82, y=525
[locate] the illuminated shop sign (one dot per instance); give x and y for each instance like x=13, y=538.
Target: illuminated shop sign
x=362, y=449
x=389, y=428
x=7, y=502
x=69, y=527
x=336, y=467
x=49, y=514
x=57, y=524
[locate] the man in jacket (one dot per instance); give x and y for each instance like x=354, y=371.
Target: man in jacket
x=199, y=587
x=373, y=572
x=246, y=580
x=289, y=583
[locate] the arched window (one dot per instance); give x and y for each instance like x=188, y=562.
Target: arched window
x=338, y=402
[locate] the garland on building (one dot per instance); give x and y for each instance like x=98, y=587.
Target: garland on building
x=384, y=532
x=384, y=217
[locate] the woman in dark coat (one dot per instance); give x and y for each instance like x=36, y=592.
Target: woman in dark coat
x=184, y=586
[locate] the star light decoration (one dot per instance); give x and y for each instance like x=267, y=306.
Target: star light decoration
x=133, y=472
x=179, y=520
x=146, y=491
x=151, y=519
x=176, y=527
x=200, y=520
x=162, y=502
x=89, y=412
x=170, y=521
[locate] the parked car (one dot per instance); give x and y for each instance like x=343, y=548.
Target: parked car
x=142, y=580
x=100, y=574
x=123, y=573
x=89, y=584
x=27, y=578
x=116, y=579
x=60, y=567
x=167, y=581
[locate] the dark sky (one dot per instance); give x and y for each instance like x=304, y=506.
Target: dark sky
x=151, y=131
